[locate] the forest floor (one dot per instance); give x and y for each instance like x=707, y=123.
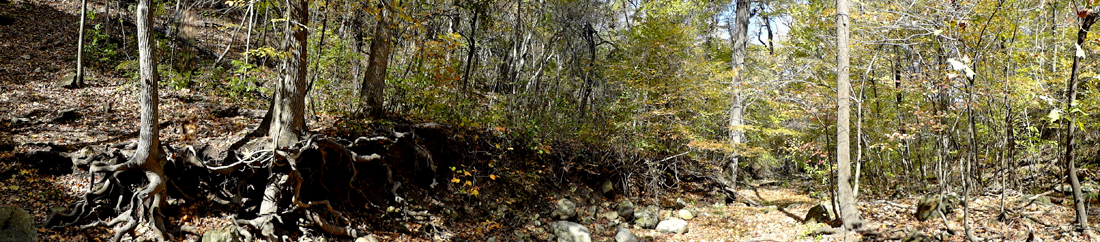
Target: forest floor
x=40, y=123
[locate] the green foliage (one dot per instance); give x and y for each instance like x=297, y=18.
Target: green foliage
x=243, y=79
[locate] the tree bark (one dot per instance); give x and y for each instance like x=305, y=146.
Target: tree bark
x=1071, y=96
x=289, y=108
x=374, y=82
x=737, y=101
x=848, y=211
x=78, y=81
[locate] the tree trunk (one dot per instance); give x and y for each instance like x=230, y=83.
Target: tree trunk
x=78, y=81
x=374, y=82
x=289, y=108
x=1071, y=96
x=848, y=211
x=472, y=39
x=737, y=119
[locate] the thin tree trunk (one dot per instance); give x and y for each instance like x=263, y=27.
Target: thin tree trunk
x=79, y=79
x=472, y=39
x=971, y=156
x=1071, y=96
x=848, y=211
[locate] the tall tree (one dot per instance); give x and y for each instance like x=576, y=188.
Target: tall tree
x=740, y=39
x=848, y=212
x=288, y=112
x=374, y=82
x=1088, y=17
x=115, y=183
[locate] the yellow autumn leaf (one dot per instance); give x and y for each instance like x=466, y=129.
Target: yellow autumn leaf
x=474, y=192
x=468, y=183
x=492, y=177
x=466, y=173
x=456, y=180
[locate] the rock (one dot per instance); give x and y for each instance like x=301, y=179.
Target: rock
x=68, y=80
x=626, y=210
x=932, y=205
x=368, y=238
x=611, y=215
x=570, y=232
x=16, y=225
x=675, y=226
x=222, y=235
x=646, y=218
x=607, y=187
x=687, y=214
x=614, y=223
x=565, y=209
x=1086, y=187
x=491, y=239
x=25, y=57
x=820, y=214
x=623, y=234
x=586, y=219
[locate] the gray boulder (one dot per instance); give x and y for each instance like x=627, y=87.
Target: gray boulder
x=675, y=226
x=229, y=234
x=646, y=218
x=623, y=234
x=564, y=210
x=16, y=225
x=570, y=232
x=626, y=210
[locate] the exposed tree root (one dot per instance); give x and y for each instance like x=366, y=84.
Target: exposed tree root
x=305, y=185
x=136, y=198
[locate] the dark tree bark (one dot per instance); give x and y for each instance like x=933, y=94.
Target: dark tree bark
x=1088, y=18
x=472, y=38
x=848, y=211
x=374, y=82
